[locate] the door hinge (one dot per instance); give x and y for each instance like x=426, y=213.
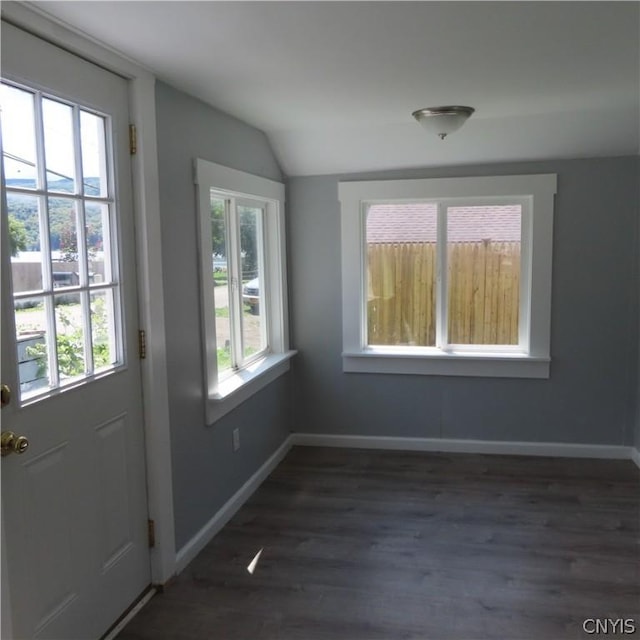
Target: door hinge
x=142, y=344
x=151, y=533
x=133, y=140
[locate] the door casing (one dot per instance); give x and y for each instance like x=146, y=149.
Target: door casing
x=151, y=294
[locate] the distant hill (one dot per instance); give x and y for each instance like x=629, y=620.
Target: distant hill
x=64, y=185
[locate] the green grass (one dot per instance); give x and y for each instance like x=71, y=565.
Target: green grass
x=224, y=359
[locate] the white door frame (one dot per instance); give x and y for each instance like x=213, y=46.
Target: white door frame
x=149, y=261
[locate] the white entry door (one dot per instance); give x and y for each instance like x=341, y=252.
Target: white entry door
x=74, y=502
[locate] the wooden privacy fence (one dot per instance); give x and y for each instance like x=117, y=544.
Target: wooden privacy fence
x=484, y=293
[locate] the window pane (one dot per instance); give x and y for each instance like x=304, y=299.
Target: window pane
x=69, y=336
x=32, y=338
x=58, y=145
x=63, y=232
x=94, y=159
x=98, y=242
x=253, y=312
x=103, y=334
x=24, y=236
x=18, y=138
x=220, y=278
x=401, y=274
x=483, y=256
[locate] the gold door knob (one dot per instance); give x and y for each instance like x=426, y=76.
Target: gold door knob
x=11, y=443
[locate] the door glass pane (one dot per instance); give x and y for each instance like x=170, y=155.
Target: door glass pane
x=24, y=237
x=58, y=145
x=219, y=265
x=483, y=258
x=253, y=290
x=103, y=335
x=32, y=338
x=98, y=242
x=94, y=158
x=69, y=336
x=63, y=232
x=18, y=137
x=401, y=274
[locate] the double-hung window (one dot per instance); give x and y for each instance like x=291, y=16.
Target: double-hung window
x=243, y=283
x=448, y=276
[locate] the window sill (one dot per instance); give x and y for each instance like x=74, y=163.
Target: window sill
x=436, y=362
x=239, y=387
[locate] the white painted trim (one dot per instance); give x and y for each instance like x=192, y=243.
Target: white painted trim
x=152, y=319
x=190, y=550
x=550, y=449
x=535, y=194
x=238, y=388
x=147, y=211
x=223, y=396
x=431, y=361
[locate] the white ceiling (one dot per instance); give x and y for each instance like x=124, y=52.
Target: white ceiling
x=333, y=84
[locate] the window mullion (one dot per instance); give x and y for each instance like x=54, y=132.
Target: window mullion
x=442, y=297
x=235, y=291
x=83, y=266
x=525, y=276
x=45, y=246
x=81, y=241
x=43, y=209
x=363, y=254
x=264, y=283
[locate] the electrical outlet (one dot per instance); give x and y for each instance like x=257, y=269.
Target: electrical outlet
x=236, y=439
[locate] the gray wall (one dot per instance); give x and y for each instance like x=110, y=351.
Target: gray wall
x=205, y=471
x=592, y=392
x=637, y=273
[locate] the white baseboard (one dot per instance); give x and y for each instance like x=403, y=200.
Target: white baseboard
x=635, y=456
x=190, y=550
x=551, y=449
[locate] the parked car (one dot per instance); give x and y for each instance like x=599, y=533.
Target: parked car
x=251, y=295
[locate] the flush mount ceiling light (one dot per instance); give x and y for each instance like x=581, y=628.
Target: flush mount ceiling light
x=442, y=120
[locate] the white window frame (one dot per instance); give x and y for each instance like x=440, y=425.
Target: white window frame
x=234, y=272
x=226, y=392
x=531, y=358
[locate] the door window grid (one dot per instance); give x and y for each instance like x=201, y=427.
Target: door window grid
x=75, y=296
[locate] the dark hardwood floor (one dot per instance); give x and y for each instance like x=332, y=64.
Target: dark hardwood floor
x=373, y=545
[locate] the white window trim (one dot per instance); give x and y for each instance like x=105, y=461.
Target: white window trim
x=532, y=358
x=225, y=395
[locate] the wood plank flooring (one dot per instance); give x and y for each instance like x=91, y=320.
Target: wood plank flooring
x=376, y=545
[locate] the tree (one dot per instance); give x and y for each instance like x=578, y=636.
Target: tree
x=248, y=235
x=218, y=228
x=17, y=235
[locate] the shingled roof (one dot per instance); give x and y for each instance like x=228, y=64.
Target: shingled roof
x=416, y=222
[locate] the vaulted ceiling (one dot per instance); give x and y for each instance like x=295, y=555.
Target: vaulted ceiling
x=333, y=84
